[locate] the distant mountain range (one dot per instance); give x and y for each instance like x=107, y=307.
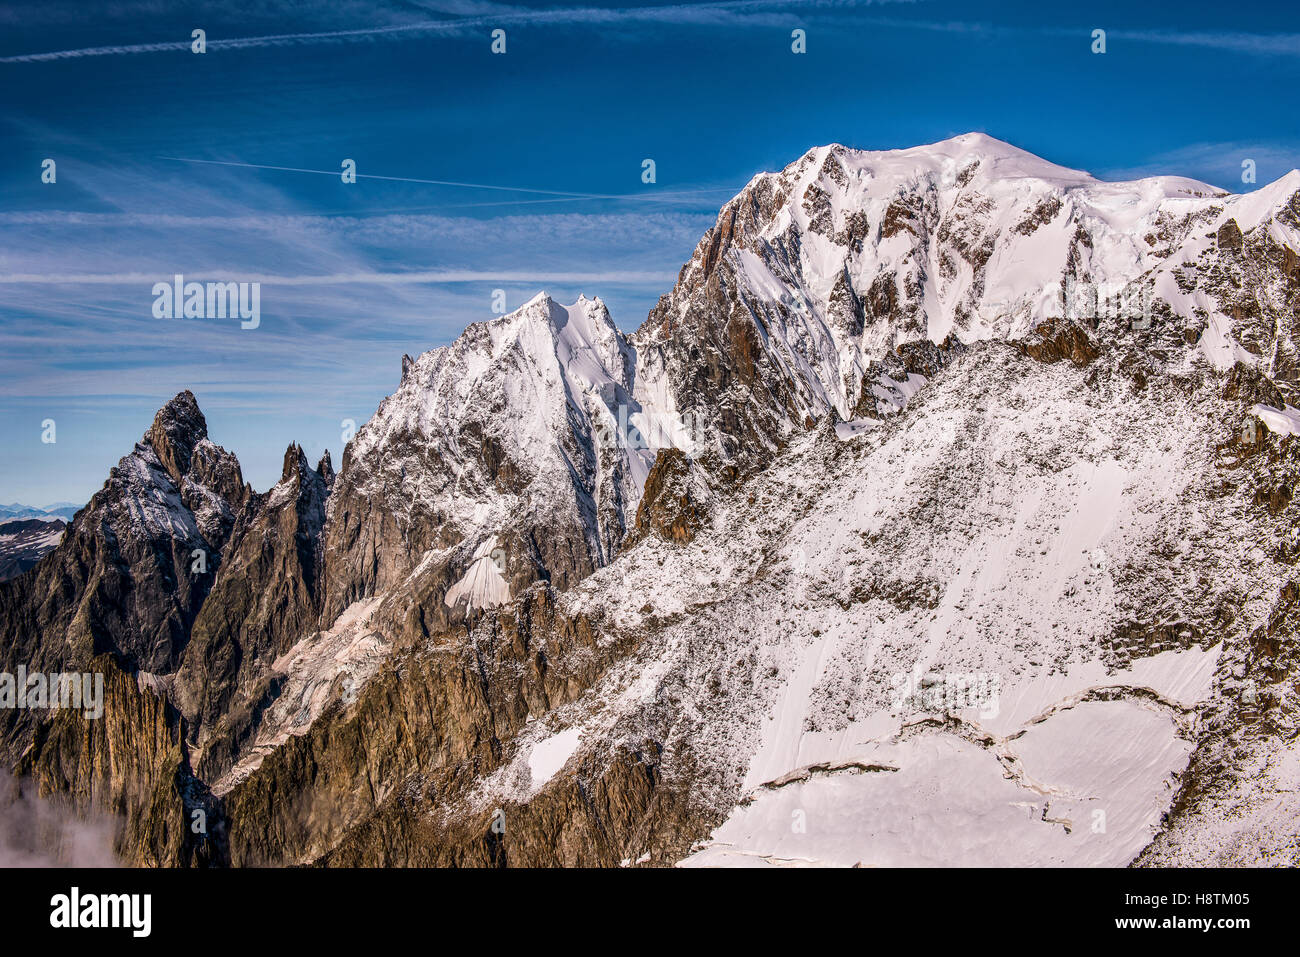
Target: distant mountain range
x=15, y=510
x=27, y=533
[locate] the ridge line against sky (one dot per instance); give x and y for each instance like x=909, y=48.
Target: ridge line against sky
x=547, y=142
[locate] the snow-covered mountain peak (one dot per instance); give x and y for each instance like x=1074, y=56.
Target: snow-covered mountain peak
x=994, y=159
x=509, y=431
x=980, y=160
x=521, y=368
x=545, y=307
x=176, y=482
x=812, y=276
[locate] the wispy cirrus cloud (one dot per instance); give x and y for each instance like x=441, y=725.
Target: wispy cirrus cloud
x=1259, y=44
x=1219, y=163
x=468, y=17
x=343, y=296
x=648, y=229
x=727, y=13
x=1231, y=41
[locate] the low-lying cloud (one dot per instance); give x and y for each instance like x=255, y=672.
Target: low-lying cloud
x=40, y=832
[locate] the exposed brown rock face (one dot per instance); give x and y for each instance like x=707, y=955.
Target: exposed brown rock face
x=709, y=358
x=1250, y=274
x=325, y=469
x=1247, y=385
x=901, y=216
x=132, y=764
x=718, y=240
x=923, y=358
x=1229, y=236
x=266, y=595
x=1058, y=340
x=670, y=506
x=176, y=429
x=927, y=358
x=602, y=815
x=1043, y=213
x=357, y=788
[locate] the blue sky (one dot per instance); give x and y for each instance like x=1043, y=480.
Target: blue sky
x=355, y=275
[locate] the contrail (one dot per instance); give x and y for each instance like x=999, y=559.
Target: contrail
x=1255, y=44
x=729, y=12
x=725, y=13
x=444, y=182
x=240, y=43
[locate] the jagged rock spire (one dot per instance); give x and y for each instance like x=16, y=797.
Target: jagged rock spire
x=177, y=428
x=325, y=469
x=295, y=462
